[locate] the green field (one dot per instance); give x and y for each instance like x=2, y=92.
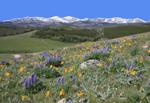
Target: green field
x=24, y=44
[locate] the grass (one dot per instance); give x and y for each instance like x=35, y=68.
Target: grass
x=24, y=44
x=121, y=78
x=125, y=30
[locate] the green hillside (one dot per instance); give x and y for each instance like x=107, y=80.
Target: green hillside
x=24, y=43
x=125, y=30
x=119, y=74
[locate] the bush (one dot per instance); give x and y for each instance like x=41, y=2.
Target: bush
x=98, y=54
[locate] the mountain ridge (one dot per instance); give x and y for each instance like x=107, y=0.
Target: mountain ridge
x=70, y=21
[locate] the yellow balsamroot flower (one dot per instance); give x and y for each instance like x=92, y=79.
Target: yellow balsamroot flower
x=48, y=93
x=24, y=98
x=80, y=93
x=21, y=70
x=132, y=72
x=7, y=74
x=62, y=92
x=71, y=69
x=79, y=73
x=148, y=51
x=65, y=70
x=100, y=65
x=1, y=66
x=51, y=66
x=129, y=44
x=62, y=62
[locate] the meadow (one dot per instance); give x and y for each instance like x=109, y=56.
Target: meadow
x=119, y=73
x=23, y=43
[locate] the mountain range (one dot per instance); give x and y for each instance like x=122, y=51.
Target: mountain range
x=70, y=21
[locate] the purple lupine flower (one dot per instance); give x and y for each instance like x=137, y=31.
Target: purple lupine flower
x=72, y=77
x=113, y=62
x=28, y=82
x=33, y=77
x=149, y=81
x=60, y=81
x=69, y=100
x=45, y=54
x=3, y=62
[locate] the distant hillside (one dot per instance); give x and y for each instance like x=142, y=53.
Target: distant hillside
x=6, y=30
x=70, y=34
x=125, y=30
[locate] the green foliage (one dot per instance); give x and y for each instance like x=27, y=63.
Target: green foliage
x=37, y=87
x=47, y=72
x=13, y=30
x=68, y=34
x=120, y=31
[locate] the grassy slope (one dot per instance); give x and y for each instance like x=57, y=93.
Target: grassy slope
x=125, y=30
x=112, y=87
x=23, y=43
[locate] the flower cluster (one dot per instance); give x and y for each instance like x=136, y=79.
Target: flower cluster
x=32, y=84
x=30, y=81
x=55, y=60
x=98, y=54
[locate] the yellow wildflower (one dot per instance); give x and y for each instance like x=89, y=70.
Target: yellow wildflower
x=132, y=72
x=24, y=98
x=1, y=66
x=65, y=70
x=21, y=70
x=80, y=93
x=100, y=65
x=61, y=93
x=71, y=69
x=148, y=51
x=48, y=93
x=79, y=73
x=7, y=74
x=62, y=62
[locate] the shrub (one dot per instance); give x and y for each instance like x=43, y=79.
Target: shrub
x=98, y=54
x=46, y=72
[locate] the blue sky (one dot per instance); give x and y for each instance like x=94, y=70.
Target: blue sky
x=78, y=8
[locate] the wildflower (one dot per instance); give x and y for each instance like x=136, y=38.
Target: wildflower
x=65, y=70
x=7, y=74
x=100, y=65
x=48, y=93
x=69, y=100
x=80, y=93
x=148, y=51
x=71, y=69
x=62, y=62
x=1, y=66
x=30, y=81
x=72, y=77
x=60, y=81
x=61, y=93
x=79, y=73
x=24, y=98
x=132, y=72
x=21, y=70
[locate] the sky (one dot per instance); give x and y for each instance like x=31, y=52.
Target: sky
x=77, y=8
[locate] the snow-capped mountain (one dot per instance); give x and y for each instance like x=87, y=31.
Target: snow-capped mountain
x=68, y=20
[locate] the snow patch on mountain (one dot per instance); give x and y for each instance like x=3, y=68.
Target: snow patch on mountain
x=69, y=19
